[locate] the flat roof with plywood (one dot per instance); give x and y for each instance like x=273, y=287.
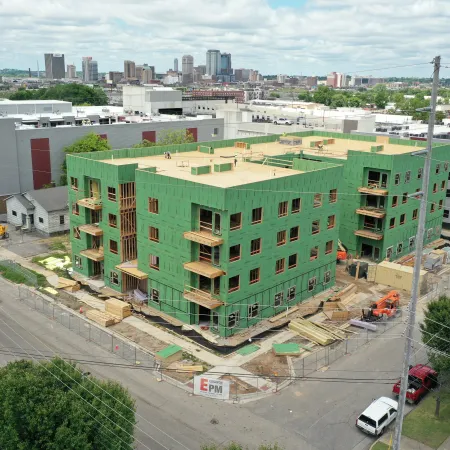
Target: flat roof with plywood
x=180, y=165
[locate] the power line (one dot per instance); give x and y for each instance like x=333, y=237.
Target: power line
x=97, y=385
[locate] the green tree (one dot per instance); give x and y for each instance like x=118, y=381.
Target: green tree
x=90, y=143
x=78, y=94
x=435, y=335
x=323, y=95
x=354, y=102
x=305, y=96
x=274, y=95
x=380, y=96
x=338, y=101
x=169, y=137
x=440, y=116
x=52, y=405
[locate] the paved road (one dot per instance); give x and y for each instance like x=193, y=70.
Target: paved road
x=308, y=415
x=324, y=412
x=168, y=417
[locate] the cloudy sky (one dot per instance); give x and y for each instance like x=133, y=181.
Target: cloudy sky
x=274, y=36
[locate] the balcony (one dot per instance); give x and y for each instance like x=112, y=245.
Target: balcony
x=203, y=268
x=92, y=229
x=375, y=235
x=373, y=189
x=378, y=213
x=205, y=237
x=202, y=298
x=94, y=254
x=91, y=203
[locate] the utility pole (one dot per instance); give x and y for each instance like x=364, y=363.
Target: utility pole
x=418, y=262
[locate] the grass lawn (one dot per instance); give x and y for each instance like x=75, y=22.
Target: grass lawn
x=16, y=277
x=380, y=446
x=422, y=426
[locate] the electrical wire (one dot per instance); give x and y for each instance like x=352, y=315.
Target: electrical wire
x=98, y=386
x=71, y=389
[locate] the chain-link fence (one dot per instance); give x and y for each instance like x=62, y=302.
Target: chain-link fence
x=17, y=269
x=106, y=339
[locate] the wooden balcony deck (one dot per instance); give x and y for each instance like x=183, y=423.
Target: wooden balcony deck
x=371, y=212
x=91, y=203
x=91, y=229
x=203, y=237
x=369, y=234
x=202, y=298
x=204, y=268
x=94, y=254
x=370, y=190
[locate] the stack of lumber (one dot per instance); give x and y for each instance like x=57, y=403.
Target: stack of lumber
x=68, y=285
x=117, y=308
x=345, y=295
x=316, y=332
x=102, y=318
x=336, y=311
x=179, y=366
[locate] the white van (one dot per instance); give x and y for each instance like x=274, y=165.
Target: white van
x=377, y=416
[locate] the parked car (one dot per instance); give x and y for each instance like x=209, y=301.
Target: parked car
x=377, y=416
x=282, y=121
x=421, y=379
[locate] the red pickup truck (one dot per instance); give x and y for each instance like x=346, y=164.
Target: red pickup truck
x=421, y=379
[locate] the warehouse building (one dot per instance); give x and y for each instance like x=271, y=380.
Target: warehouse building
x=245, y=238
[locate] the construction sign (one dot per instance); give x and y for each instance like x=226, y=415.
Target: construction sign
x=212, y=388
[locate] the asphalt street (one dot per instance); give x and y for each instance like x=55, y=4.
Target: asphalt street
x=308, y=415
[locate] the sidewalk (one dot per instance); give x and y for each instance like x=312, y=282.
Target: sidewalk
x=51, y=277
x=411, y=444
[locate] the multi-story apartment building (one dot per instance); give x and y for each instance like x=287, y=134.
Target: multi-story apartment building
x=245, y=238
x=378, y=215
x=255, y=223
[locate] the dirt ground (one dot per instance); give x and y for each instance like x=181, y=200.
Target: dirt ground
x=237, y=384
x=143, y=339
x=269, y=366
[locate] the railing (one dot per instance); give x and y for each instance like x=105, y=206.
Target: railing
x=201, y=293
x=206, y=226
x=376, y=184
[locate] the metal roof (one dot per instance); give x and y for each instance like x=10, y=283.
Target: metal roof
x=51, y=199
x=22, y=200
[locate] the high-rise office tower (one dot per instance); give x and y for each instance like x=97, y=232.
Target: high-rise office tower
x=71, y=71
x=55, y=67
x=152, y=68
x=129, y=69
x=175, y=65
x=213, y=62
x=225, y=64
x=139, y=70
x=187, y=68
x=147, y=75
x=89, y=68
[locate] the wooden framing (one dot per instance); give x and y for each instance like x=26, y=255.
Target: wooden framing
x=127, y=193
x=128, y=223
x=128, y=247
x=240, y=145
x=94, y=230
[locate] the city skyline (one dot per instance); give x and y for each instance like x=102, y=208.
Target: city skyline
x=278, y=47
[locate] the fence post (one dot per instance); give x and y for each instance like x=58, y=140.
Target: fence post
x=346, y=345
x=303, y=367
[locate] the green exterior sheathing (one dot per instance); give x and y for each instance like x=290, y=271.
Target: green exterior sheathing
x=355, y=174
x=173, y=249
x=180, y=202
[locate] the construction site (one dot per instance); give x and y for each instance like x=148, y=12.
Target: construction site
x=256, y=229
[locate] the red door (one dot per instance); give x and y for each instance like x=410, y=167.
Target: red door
x=193, y=131
x=40, y=162
x=149, y=136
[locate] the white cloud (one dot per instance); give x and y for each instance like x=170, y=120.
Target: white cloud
x=320, y=36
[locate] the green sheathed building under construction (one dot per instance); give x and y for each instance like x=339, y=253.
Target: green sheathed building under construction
x=225, y=234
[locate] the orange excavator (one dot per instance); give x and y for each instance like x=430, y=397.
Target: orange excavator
x=386, y=307
x=342, y=252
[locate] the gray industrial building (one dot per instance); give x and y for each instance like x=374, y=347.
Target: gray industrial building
x=31, y=146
